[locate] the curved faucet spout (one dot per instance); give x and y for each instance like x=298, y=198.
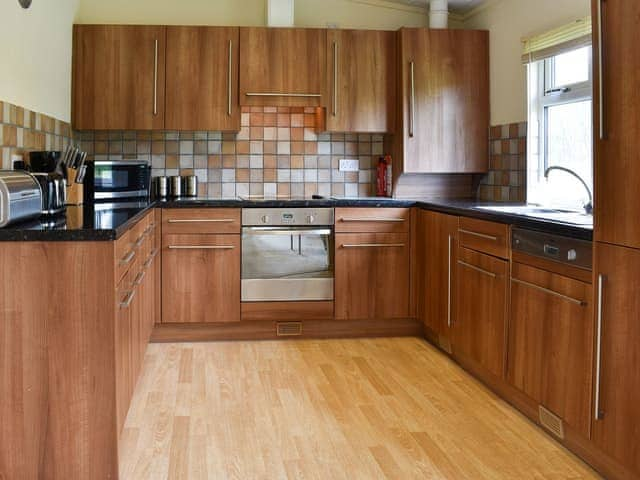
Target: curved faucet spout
x=588, y=207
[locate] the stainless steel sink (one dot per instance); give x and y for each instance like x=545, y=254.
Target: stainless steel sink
x=545, y=213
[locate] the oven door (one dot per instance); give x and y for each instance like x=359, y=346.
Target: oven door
x=117, y=180
x=287, y=264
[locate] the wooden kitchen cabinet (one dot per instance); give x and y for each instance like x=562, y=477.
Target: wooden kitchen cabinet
x=616, y=430
x=361, y=81
x=551, y=342
x=444, y=95
x=118, y=77
x=479, y=329
x=202, y=78
x=617, y=157
x=282, y=66
x=200, y=278
x=372, y=276
x=437, y=251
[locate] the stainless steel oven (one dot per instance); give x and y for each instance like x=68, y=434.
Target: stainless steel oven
x=287, y=254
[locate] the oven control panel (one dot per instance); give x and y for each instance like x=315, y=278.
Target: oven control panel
x=297, y=216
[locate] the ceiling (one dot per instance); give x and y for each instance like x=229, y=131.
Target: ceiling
x=458, y=6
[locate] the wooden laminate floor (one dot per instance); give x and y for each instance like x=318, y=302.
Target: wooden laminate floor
x=326, y=409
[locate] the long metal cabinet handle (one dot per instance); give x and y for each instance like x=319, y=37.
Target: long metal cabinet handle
x=477, y=269
x=597, y=414
x=201, y=247
x=601, y=72
x=450, y=249
x=372, y=245
x=412, y=99
x=372, y=219
x=335, y=78
x=230, y=77
x=155, y=79
x=550, y=292
x=283, y=94
x=202, y=220
x=128, y=299
x=480, y=235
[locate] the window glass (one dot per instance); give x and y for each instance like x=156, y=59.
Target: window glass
x=571, y=67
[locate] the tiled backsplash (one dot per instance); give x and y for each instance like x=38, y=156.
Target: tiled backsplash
x=506, y=180
x=22, y=130
x=276, y=152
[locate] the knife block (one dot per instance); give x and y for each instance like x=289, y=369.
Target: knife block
x=75, y=191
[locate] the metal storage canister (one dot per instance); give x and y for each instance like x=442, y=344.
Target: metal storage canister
x=190, y=186
x=161, y=187
x=175, y=186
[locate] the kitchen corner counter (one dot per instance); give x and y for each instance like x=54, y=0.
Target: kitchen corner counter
x=86, y=223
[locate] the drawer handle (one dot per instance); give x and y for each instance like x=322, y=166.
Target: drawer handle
x=152, y=255
x=372, y=245
x=139, y=278
x=480, y=235
x=276, y=94
x=202, y=220
x=381, y=220
x=550, y=292
x=128, y=299
x=128, y=257
x=201, y=247
x=477, y=269
x=140, y=240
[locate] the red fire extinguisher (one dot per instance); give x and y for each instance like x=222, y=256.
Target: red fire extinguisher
x=383, y=180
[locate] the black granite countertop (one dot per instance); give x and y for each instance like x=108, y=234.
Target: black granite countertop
x=91, y=223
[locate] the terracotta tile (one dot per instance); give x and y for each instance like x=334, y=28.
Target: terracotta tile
x=1, y=111
x=228, y=161
x=310, y=148
x=200, y=147
x=242, y=148
x=297, y=120
x=513, y=130
x=297, y=161
x=171, y=161
x=19, y=116
x=351, y=148
x=269, y=161
x=296, y=110
x=284, y=190
x=269, y=147
x=245, y=109
x=230, y=147
x=256, y=120
x=242, y=175
x=310, y=189
x=270, y=109
x=270, y=120
x=256, y=110
x=157, y=147
x=495, y=132
x=297, y=134
x=171, y=147
x=214, y=161
x=284, y=120
x=297, y=148
x=9, y=136
x=229, y=137
x=256, y=147
x=309, y=120
x=522, y=145
x=100, y=148
x=256, y=133
x=286, y=110
x=269, y=174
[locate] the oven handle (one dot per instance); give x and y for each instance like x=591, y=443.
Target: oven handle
x=285, y=231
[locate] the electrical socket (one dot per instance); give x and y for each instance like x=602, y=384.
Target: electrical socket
x=349, y=165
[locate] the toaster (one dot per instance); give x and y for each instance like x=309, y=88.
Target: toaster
x=20, y=197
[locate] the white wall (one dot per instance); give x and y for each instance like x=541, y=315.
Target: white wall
x=35, y=55
x=308, y=13
x=509, y=21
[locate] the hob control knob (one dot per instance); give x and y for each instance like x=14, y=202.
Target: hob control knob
x=265, y=219
x=311, y=219
x=572, y=255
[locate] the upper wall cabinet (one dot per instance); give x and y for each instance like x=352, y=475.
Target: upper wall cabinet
x=617, y=121
x=282, y=66
x=202, y=78
x=445, y=101
x=361, y=81
x=118, y=77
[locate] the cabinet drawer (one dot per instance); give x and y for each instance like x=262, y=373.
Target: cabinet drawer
x=201, y=220
x=373, y=220
x=483, y=236
x=124, y=255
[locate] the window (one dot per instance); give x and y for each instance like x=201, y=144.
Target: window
x=560, y=128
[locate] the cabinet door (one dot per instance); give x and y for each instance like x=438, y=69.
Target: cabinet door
x=481, y=300
x=200, y=278
x=282, y=66
x=372, y=275
x=436, y=284
x=202, y=78
x=445, y=100
x=551, y=342
x=361, y=80
x=124, y=373
x=616, y=430
x=617, y=157
x=118, y=77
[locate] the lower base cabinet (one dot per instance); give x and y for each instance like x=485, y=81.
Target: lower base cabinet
x=200, y=278
x=372, y=275
x=479, y=329
x=551, y=343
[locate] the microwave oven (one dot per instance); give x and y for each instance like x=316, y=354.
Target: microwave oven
x=117, y=180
